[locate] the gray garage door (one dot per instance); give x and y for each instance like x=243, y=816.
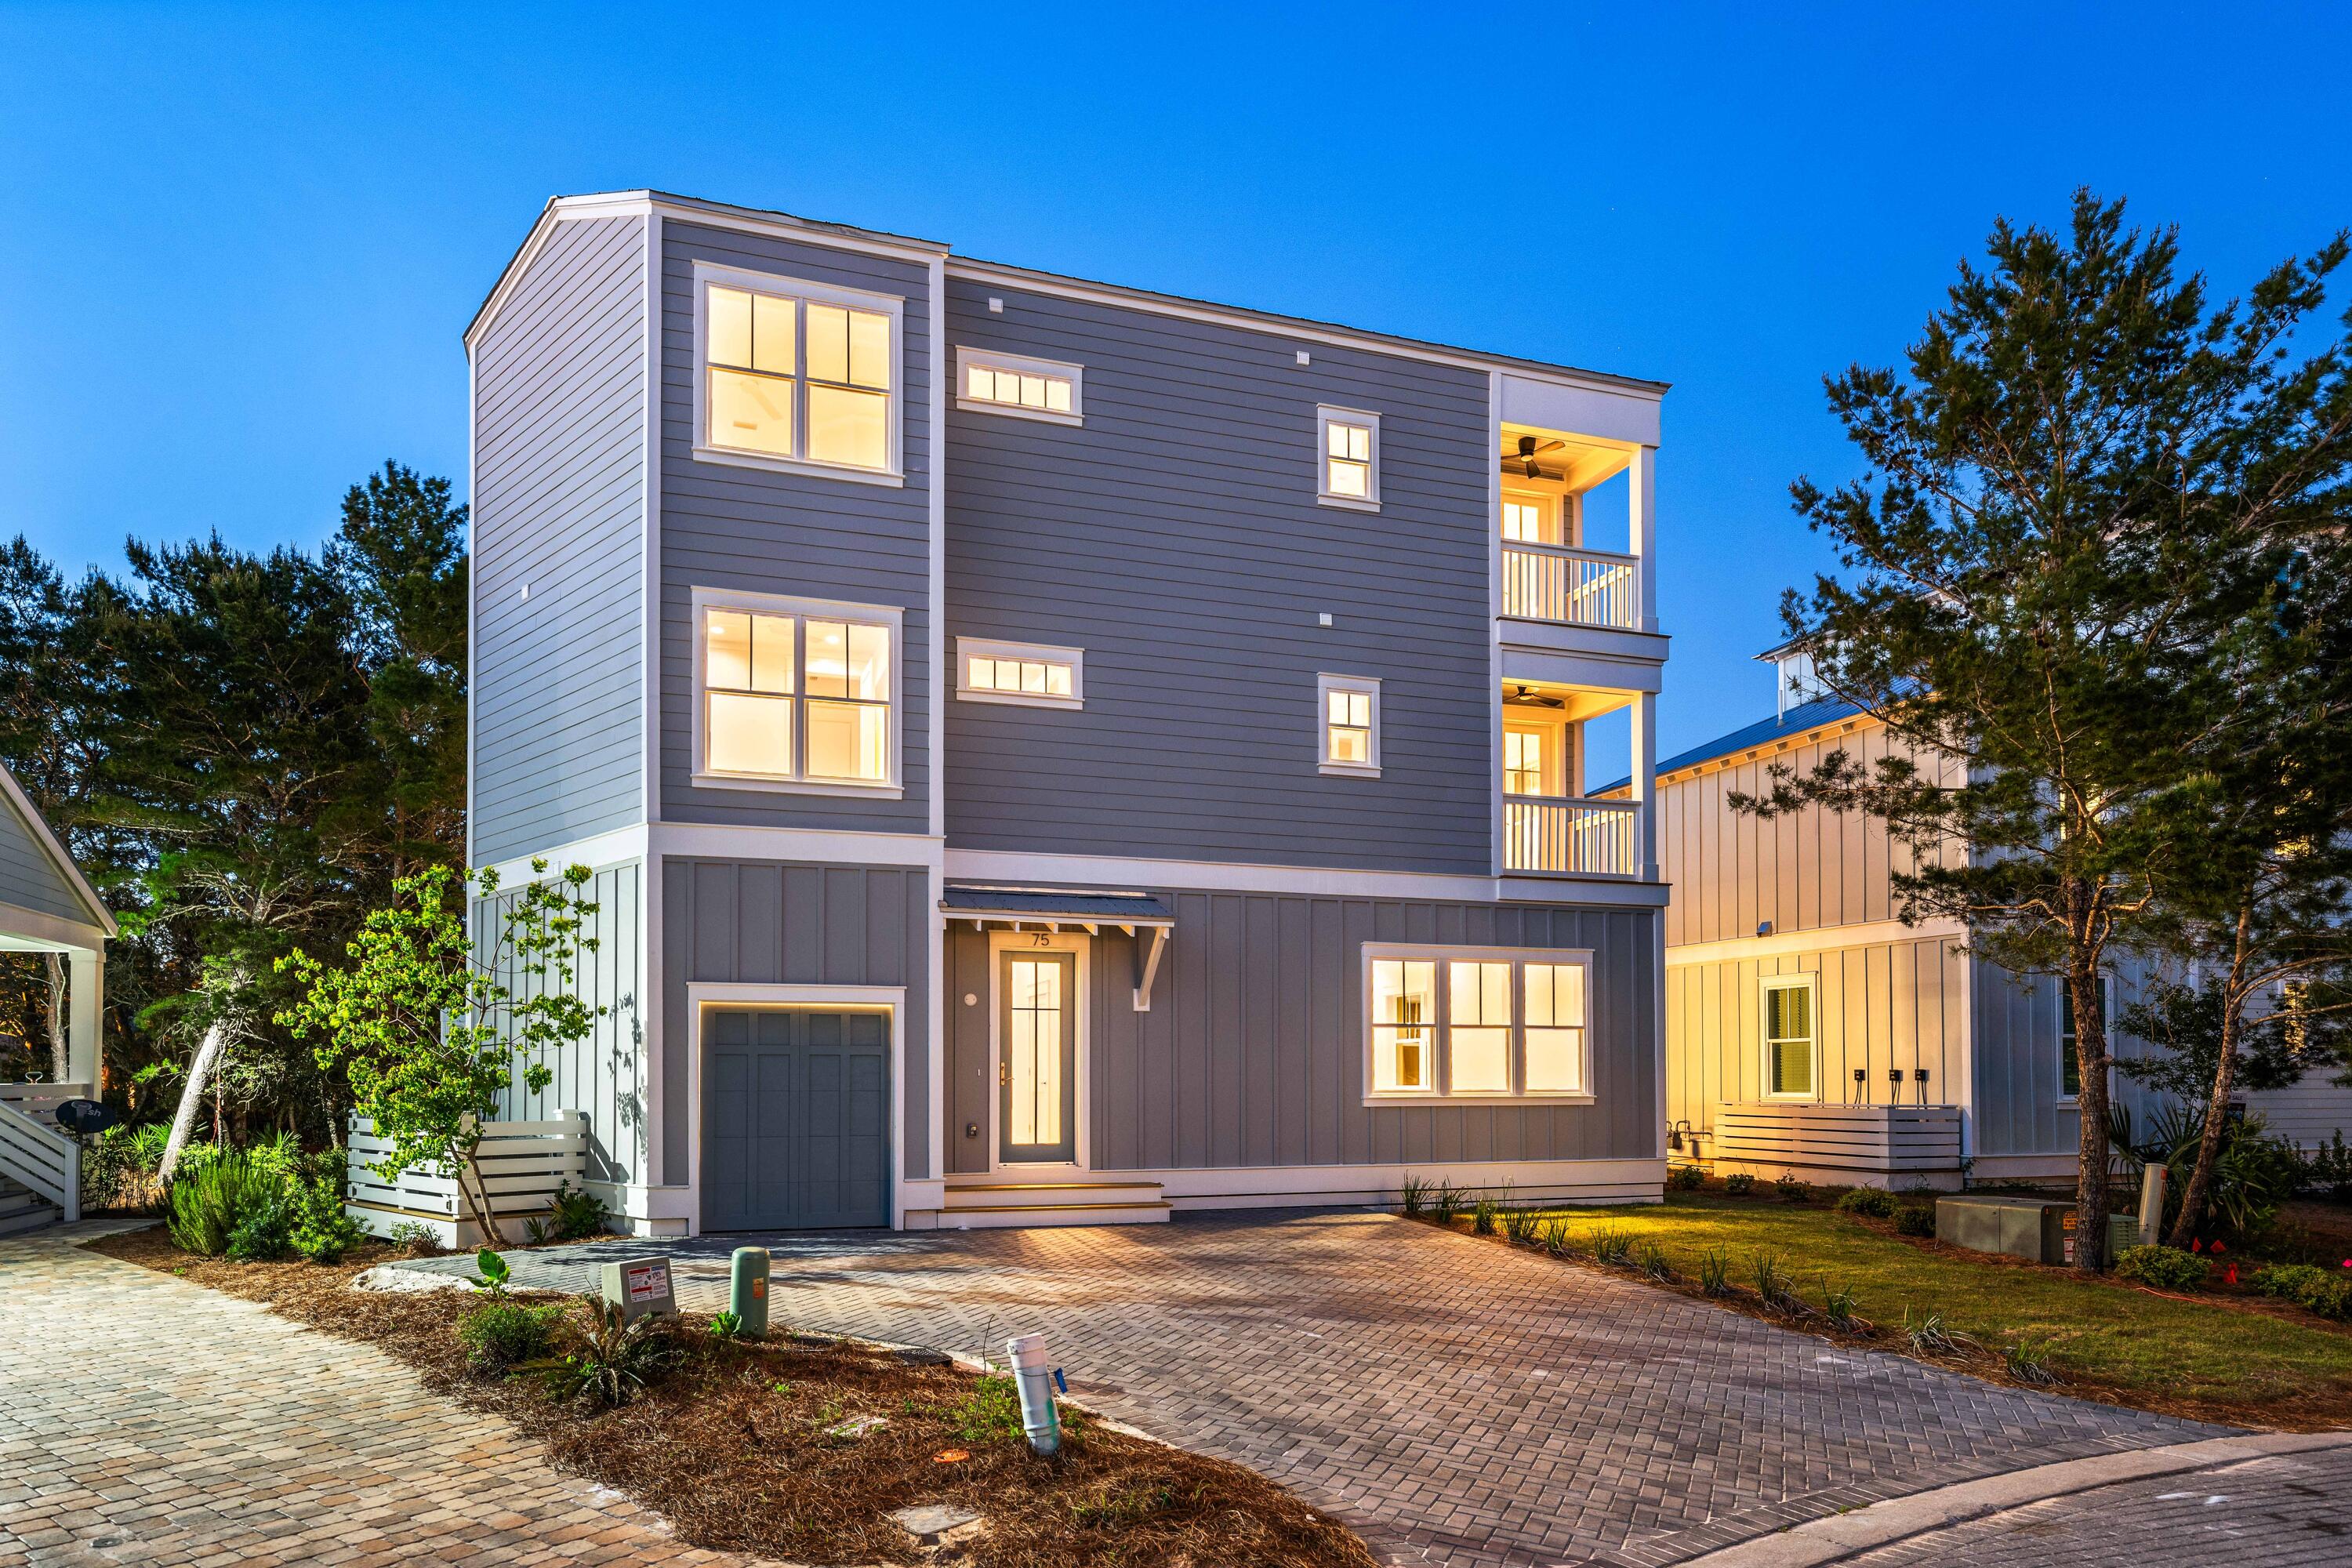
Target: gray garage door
x=795, y=1122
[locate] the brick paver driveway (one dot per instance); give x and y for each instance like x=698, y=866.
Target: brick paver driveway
x=144, y=1420
x=1455, y=1401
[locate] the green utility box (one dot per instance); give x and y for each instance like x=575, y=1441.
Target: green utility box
x=2038, y=1229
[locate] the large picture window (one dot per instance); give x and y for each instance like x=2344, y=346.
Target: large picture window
x=798, y=374
x=1477, y=1024
x=795, y=694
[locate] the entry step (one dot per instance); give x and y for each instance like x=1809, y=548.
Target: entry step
x=982, y=1203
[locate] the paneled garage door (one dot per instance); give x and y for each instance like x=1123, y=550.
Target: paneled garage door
x=795, y=1119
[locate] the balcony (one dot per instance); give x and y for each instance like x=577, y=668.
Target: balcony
x=1566, y=585
x=1561, y=836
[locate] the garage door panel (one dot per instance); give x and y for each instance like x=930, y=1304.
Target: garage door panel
x=796, y=1119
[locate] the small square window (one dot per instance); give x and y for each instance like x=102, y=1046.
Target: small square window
x=1349, y=458
x=1350, y=724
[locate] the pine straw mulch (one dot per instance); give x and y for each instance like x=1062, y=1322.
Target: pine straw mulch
x=738, y=1463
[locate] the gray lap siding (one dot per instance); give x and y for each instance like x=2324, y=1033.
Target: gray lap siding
x=1252, y=1054
x=1176, y=537
x=808, y=536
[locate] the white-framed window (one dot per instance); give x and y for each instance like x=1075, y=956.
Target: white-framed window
x=1791, y=1043
x=2070, y=1066
x=795, y=694
x=796, y=375
x=1030, y=674
x=991, y=383
x=1349, y=706
x=1481, y=1023
x=1348, y=457
x=1531, y=517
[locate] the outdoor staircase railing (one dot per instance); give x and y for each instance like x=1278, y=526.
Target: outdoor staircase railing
x=42, y=1159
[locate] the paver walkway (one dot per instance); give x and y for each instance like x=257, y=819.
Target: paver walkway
x=146, y=1420
x=1455, y=1401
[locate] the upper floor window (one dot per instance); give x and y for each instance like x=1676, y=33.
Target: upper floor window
x=1349, y=444
x=1790, y=1048
x=1026, y=673
x=1352, y=724
x=797, y=375
x=1016, y=384
x=794, y=694
x=1477, y=1023
x=1530, y=518
x=2070, y=1066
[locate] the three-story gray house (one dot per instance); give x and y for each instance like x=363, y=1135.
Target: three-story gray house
x=1052, y=751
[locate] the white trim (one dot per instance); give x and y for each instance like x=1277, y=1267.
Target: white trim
x=892, y=785
x=1825, y=939
x=935, y=719
x=1081, y=946
x=30, y=931
x=1031, y=868
x=1441, y=1023
x=474, y=576
x=1326, y=416
x=969, y=648
x=1809, y=982
x=1326, y=683
x=1199, y=1187
x=989, y=359
x=701, y=996
x=804, y=292
x=39, y=828
x=616, y=848
x=833, y=846
x=650, y=652
x=1496, y=856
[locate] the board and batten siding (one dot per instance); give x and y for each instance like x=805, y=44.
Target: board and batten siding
x=1881, y=1005
x=2017, y=1108
x=770, y=922
x=30, y=878
x=1176, y=537
x=1253, y=1052
x=557, y=747
x=604, y=1075
x=1807, y=871
x=727, y=526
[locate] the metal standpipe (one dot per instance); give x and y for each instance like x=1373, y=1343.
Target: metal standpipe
x=747, y=1291
x=1034, y=1380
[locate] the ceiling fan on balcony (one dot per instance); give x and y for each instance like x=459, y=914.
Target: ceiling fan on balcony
x=1526, y=696
x=1522, y=463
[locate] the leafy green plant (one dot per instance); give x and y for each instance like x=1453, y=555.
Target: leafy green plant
x=210, y=1204
x=726, y=1325
x=1916, y=1219
x=1930, y=1336
x=265, y=1234
x=2327, y=1168
x=1413, y=1194
x=490, y=1274
x=1520, y=1224
x=1715, y=1271
x=2029, y=1362
x=1875, y=1202
x=1481, y=1215
x=1447, y=1202
x=1553, y=1237
x=616, y=1358
x=321, y=1231
x=2164, y=1268
x=2327, y=1291
x=1837, y=1305
x=1774, y=1287
x=1652, y=1260
x=499, y=1333
x=1611, y=1244
x=425, y=1026
x=1685, y=1178
x=1739, y=1184
x=991, y=1412
x=1791, y=1191
x=574, y=1215
x=414, y=1235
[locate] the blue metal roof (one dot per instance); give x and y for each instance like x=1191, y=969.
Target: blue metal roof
x=1763, y=732
x=1054, y=903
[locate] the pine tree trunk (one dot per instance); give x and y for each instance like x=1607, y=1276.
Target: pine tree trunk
x=2217, y=1104
x=2091, y=1092
x=60, y=1058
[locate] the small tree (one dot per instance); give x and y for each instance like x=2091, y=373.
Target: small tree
x=427, y=1028
x=2086, y=481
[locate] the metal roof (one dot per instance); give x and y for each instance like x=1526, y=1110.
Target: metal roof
x=1763, y=732
x=1054, y=903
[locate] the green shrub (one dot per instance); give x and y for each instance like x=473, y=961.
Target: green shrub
x=1446, y=1201
x=1774, y=1287
x=1792, y=1190
x=575, y=1214
x=2327, y=1291
x=1875, y=1202
x=1481, y=1216
x=211, y=1204
x=266, y=1233
x=501, y=1335
x=323, y=1232
x=1740, y=1185
x=1415, y=1195
x=2165, y=1268
x=617, y=1356
x=118, y=1168
x=1715, y=1271
x=1652, y=1259
x=1916, y=1219
x=1685, y=1178
x=1553, y=1236
x=1520, y=1224
x=1837, y=1305
x=1610, y=1245
x=414, y=1235
x=2028, y=1362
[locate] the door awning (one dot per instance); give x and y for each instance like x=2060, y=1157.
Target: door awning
x=1143, y=916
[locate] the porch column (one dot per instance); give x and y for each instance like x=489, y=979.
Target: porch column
x=85, y=987
x=1645, y=784
x=1642, y=531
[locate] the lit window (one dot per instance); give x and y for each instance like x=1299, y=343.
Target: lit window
x=1788, y=1043
x=1506, y=1024
x=791, y=696
x=799, y=377
x=1013, y=384
x=1528, y=759
x=1352, y=724
x=1531, y=519
x=1023, y=673
x=1350, y=459
x=2070, y=1066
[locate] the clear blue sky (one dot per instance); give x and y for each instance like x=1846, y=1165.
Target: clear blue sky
x=238, y=244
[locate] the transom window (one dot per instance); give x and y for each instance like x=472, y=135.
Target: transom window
x=1477, y=1023
x=1015, y=384
x=1350, y=444
x=1352, y=724
x=1026, y=673
x=795, y=694
x=799, y=378
x=1789, y=1044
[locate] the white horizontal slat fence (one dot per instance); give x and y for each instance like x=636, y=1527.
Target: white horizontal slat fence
x=515, y=1171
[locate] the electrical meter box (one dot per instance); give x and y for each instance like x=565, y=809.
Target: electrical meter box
x=639, y=1286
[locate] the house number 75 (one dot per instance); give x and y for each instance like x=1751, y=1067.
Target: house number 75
x=1044, y=938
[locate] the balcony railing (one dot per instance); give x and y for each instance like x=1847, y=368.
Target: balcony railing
x=1561, y=837
x=1561, y=583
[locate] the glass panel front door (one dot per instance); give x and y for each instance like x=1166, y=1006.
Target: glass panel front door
x=1036, y=1069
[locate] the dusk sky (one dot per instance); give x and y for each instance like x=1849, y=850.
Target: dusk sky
x=238, y=244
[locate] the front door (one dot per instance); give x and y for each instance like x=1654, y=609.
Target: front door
x=1037, y=1058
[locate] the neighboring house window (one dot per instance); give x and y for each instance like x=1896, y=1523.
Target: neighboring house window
x=797, y=375
x=1791, y=1046
x=1480, y=1023
x=1014, y=383
x=1352, y=724
x=2070, y=1067
x=794, y=694
x=1025, y=673
x=1351, y=447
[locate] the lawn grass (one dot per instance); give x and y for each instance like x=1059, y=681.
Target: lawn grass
x=2226, y=1357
